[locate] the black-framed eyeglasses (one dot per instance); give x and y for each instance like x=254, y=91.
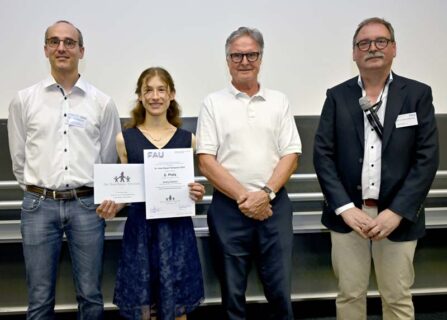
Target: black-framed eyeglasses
x=380, y=43
x=238, y=56
x=68, y=43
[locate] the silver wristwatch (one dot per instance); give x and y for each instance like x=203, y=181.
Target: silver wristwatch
x=270, y=192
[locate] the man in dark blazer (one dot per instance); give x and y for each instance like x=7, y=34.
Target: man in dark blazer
x=375, y=176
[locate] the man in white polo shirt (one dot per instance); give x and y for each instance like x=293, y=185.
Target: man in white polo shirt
x=248, y=146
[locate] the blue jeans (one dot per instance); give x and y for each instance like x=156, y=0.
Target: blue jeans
x=44, y=222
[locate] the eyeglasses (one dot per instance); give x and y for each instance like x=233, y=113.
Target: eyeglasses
x=68, y=43
x=380, y=43
x=238, y=56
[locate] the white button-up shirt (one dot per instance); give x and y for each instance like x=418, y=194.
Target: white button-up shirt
x=372, y=158
x=55, y=137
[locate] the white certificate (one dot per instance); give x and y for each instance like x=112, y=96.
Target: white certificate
x=122, y=183
x=167, y=174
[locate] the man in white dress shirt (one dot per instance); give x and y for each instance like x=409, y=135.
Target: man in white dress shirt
x=58, y=129
x=375, y=180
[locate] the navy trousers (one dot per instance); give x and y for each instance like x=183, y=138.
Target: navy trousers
x=237, y=241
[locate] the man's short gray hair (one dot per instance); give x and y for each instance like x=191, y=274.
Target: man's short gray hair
x=253, y=33
x=374, y=20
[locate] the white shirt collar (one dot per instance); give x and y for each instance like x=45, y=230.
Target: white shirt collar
x=236, y=93
x=80, y=83
x=360, y=82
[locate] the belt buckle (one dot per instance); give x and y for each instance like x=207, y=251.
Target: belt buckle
x=54, y=194
x=370, y=203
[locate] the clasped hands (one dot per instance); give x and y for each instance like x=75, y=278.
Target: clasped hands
x=109, y=208
x=376, y=228
x=255, y=205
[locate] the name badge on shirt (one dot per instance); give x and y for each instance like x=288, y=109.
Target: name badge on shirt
x=406, y=120
x=76, y=120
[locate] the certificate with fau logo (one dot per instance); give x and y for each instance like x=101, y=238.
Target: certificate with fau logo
x=167, y=173
x=122, y=183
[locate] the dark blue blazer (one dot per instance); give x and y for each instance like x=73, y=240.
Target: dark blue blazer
x=410, y=155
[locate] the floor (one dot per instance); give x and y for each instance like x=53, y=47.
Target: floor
x=427, y=308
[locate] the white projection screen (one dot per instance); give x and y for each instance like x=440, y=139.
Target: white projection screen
x=307, y=44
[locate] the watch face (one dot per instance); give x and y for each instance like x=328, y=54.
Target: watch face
x=269, y=191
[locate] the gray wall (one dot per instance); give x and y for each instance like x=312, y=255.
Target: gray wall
x=307, y=126
x=312, y=273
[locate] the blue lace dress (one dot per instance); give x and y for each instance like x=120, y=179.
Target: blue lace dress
x=159, y=269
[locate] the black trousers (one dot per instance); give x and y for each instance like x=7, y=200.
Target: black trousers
x=237, y=241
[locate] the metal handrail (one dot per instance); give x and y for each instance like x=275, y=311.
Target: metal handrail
x=303, y=222
x=8, y=205
x=210, y=301
x=303, y=196
x=10, y=184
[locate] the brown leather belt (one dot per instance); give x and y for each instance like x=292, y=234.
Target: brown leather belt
x=61, y=195
x=370, y=202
